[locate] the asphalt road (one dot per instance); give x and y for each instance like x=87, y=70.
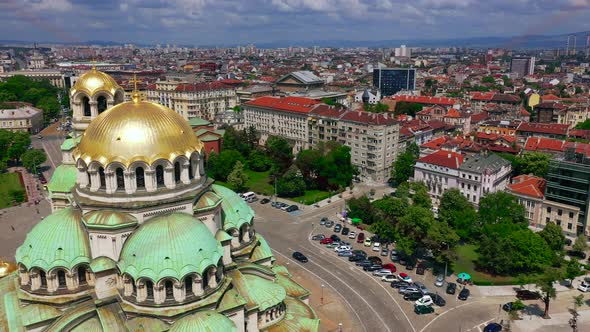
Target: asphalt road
x=374, y=303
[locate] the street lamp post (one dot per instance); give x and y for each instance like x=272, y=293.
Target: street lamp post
x=322, y=298
x=340, y=327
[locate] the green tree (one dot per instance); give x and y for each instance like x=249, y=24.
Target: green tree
x=403, y=167
x=361, y=208
x=219, y=166
x=390, y=208
x=421, y=197
x=375, y=108
x=535, y=163
x=17, y=195
x=488, y=79
x=237, y=178
x=441, y=239
x=546, y=285
x=7, y=96
x=414, y=226
x=258, y=161
x=408, y=108
x=572, y=270
x=384, y=229
x=553, y=236
x=291, y=184
x=33, y=158
x=50, y=106
x=501, y=209
x=455, y=209
x=280, y=152
x=580, y=244
x=20, y=143
x=583, y=125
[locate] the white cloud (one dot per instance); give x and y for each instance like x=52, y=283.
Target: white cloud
x=49, y=5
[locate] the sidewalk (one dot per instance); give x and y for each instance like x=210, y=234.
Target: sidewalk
x=509, y=290
x=558, y=322
x=32, y=185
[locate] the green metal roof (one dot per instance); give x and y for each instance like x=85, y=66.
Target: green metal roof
x=198, y=122
x=293, y=289
x=259, y=292
x=262, y=251
x=172, y=245
x=204, y=321
x=230, y=300
x=13, y=317
x=299, y=317
x=69, y=144
x=58, y=240
x=146, y=324
x=220, y=132
x=102, y=263
x=209, y=138
x=201, y=131
x=91, y=324
x=280, y=269
x=207, y=201
x=222, y=236
x=235, y=210
x=36, y=313
x=72, y=316
x=108, y=219
x=63, y=179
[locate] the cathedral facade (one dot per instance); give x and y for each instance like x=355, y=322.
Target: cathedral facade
x=140, y=239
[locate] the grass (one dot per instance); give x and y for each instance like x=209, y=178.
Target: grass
x=311, y=197
x=9, y=182
x=466, y=258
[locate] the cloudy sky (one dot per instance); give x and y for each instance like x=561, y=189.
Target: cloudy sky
x=217, y=22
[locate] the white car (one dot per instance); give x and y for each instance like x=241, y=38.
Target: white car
x=584, y=287
x=404, y=277
x=376, y=246
x=389, y=278
x=381, y=273
x=351, y=235
x=343, y=248
x=425, y=300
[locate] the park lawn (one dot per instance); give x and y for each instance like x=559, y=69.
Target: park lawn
x=258, y=182
x=9, y=182
x=310, y=197
x=466, y=257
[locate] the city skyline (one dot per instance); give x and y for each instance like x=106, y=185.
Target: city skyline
x=203, y=22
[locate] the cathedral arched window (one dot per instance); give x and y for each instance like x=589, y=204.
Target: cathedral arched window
x=101, y=103
x=86, y=106
x=120, y=179
x=82, y=274
x=43, y=277
x=160, y=175
x=188, y=286
x=206, y=279
x=177, y=172
x=140, y=178
x=103, y=180
x=191, y=174
x=169, y=286
x=149, y=286
x=61, y=278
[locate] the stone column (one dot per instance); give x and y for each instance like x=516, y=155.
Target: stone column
x=90, y=278
x=110, y=182
x=130, y=183
x=150, y=180
x=141, y=292
x=76, y=109
x=127, y=287
x=159, y=294
x=235, y=238
x=198, y=286
x=93, y=109
x=179, y=292
x=52, y=282
x=94, y=180
x=35, y=280
x=184, y=174
x=212, y=279
x=169, y=177
x=71, y=282
x=201, y=165
x=24, y=276
x=83, y=180
x=227, y=254
x=246, y=234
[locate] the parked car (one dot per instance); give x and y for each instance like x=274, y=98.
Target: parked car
x=390, y=267
x=393, y=254
x=420, y=269
x=364, y=263
x=359, y=252
x=423, y=309
x=399, y=284
x=371, y=268
x=464, y=294
x=376, y=246
x=576, y=254
x=493, y=327
x=424, y=300
x=410, y=263
x=389, y=278
x=508, y=306
x=384, y=252
x=408, y=289
x=335, y=238
x=351, y=235
x=421, y=287
x=525, y=294
x=356, y=258
x=367, y=242
x=343, y=248
x=337, y=228
x=404, y=277
x=584, y=287
x=292, y=208
x=345, y=253
x=326, y=241
x=412, y=296
x=318, y=237
x=440, y=280
x=568, y=241
x=345, y=231
x=334, y=244
x=300, y=257
x=382, y=272
x=329, y=224
x=42, y=178
x=360, y=238
x=323, y=220
x=375, y=260
x=437, y=299
x=451, y=288
x=264, y=201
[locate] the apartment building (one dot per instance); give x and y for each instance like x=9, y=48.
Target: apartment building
x=17, y=116
x=55, y=77
x=482, y=174
x=439, y=171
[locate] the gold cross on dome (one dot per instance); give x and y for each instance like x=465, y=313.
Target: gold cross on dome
x=135, y=95
x=93, y=64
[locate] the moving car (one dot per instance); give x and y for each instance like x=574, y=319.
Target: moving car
x=440, y=280
x=264, y=201
x=318, y=237
x=464, y=294
x=352, y=235
x=576, y=254
x=300, y=257
x=525, y=294
x=326, y=241
x=412, y=296
x=423, y=309
x=508, y=306
x=425, y=300
x=404, y=277
x=360, y=238
x=584, y=287
x=451, y=287
x=323, y=220
x=367, y=242
x=345, y=231
x=493, y=327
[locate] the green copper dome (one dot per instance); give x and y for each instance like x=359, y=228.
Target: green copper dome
x=204, y=321
x=108, y=219
x=58, y=240
x=172, y=245
x=235, y=210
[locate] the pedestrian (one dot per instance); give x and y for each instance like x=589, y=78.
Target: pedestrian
x=12, y=227
x=37, y=210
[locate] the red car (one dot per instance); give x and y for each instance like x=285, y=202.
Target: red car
x=360, y=238
x=390, y=267
x=326, y=241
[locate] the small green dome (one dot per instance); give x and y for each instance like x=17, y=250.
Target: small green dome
x=108, y=219
x=236, y=211
x=172, y=245
x=204, y=321
x=59, y=240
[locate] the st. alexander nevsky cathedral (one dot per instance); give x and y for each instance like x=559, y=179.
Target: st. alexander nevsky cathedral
x=140, y=239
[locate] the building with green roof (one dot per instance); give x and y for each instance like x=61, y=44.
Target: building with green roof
x=140, y=239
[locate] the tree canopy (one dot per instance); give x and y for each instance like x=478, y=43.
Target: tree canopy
x=237, y=178
x=33, y=158
x=408, y=108
x=553, y=236
x=403, y=167
x=41, y=94
x=219, y=166
x=458, y=212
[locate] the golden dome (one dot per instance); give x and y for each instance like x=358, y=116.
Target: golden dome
x=93, y=81
x=6, y=268
x=137, y=131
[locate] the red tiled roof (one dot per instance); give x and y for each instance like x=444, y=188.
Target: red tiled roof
x=550, y=97
x=528, y=185
x=369, y=118
x=544, y=128
x=482, y=95
x=328, y=111
x=426, y=100
x=201, y=86
x=443, y=158
x=546, y=144
x=479, y=117
x=453, y=114
x=290, y=104
x=436, y=143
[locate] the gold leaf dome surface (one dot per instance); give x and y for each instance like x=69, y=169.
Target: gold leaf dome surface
x=94, y=81
x=137, y=131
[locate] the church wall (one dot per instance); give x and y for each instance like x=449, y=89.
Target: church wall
x=108, y=244
x=252, y=321
x=210, y=221
x=238, y=318
x=106, y=284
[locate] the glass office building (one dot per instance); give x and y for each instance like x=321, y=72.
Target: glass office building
x=392, y=80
